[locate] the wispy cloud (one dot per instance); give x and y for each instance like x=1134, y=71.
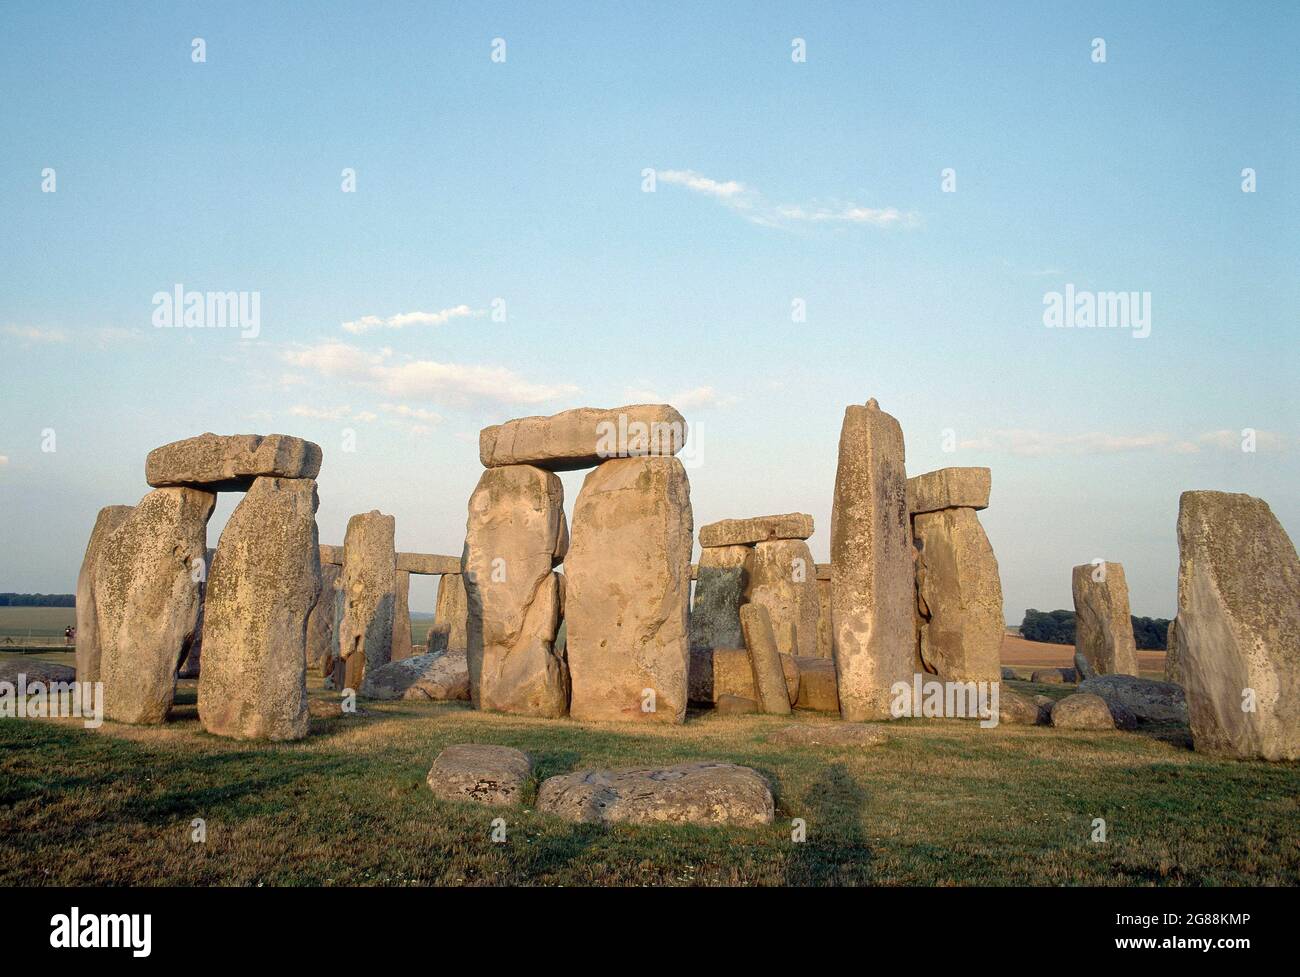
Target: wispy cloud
x=754, y=207
x=423, y=380
x=30, y=335
x=692, y=399
x=4, y=459
x=369, y=323
x=1036, y=443
x=321, y=413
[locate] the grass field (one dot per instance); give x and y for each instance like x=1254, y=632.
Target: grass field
x=36, y=622
x=942, y=803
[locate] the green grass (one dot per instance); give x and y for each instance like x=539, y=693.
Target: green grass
x=19, y=622
x=941, y=803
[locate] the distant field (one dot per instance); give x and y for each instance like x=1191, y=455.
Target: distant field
x=36, y=622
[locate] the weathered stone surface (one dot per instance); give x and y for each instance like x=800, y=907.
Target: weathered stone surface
x=402, y=647
x=265, y=581
x=428, y=564
x=769, y=679
x=824, y=616
x=332, y=555
x=1103, y=627
x=1173, y=659
x=949, y=488
x=715, y=611
x=1239, y=626
x=734, y=705
x=147, y=600
x=817, y=686
x=1082, y=710
x=784, y=581
x=1148, y=700
x=321, y=623
x=629, y=592
x=365, y=627
x=439, y=677
x=872, y=576
x=514, y=536
x=450, y=630
x=88, y=650
x=1049, y=676
x=740, y=532
x=34, y=670
x=192, y=659
x=829, y=734
x=1017, y=708
x=823, y=571
x=715, y=672
x=231, y=462
x=957, y=579
x=583, y=437
x=688, y=793
x=724, y=557
x=1082, y=668
x=491, y=775
x=1016, y=674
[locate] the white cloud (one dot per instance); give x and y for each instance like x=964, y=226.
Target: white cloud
x=320, y=413
x=367, y=323
x=4, y=459
x=34, y=334
x=1226, y=440
x=1036, y=443
x=692, y=399
x=751, y=204
x=416, y=413
x=423, y=379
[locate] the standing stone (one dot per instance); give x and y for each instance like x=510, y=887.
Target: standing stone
x=88, y=648
x=450, y=626
x=629, y=592
x=514, y=537
x=824, y=610
x=146, y=593
x=265, y=581
x=1239, y=626
x=962, y=639
x=784, y=580
x=402, y=616
x=369, y=604
x=1103, y=627
x=872, y=578
x=765, y=660
x=322, y=623
x=192, y=658
x=1173, y=661
x=715, y=612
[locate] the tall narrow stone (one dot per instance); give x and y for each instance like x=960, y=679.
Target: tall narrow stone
x=369, y=605
x=628, y=592
x=450, y=631
x=192, y=658
x=514, y=537
x=872, y=577
x=715, y=611
x=784, y=580
x=402, y=616
x=1173, y=658
x=322, y=624
x=765, y=660
x=1239, y=626
x=265, y=581
x=1103, y=625
x=960, y=588
x=88, y=649
x=146, y=594
x=823, y=610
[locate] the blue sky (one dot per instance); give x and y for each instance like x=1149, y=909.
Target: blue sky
x=522, y=182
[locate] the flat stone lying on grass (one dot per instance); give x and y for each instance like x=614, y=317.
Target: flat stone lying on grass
x=434, y=676
x=1082, y=711
x=829, y=734
x=1053, y=676
x=707, y=792
x=230, y=463
x=36, y=671
x=738, y=532
x=1018, y=709
x=1150, y=701
x=492, y=775
x=1016, y=674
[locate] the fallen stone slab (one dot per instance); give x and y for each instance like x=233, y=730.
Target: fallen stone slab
x=438, y=677
x=1052, y=676
x=1149, y=700
x=583, y=437
x=741, y=532
x=829, y=734
x=949, y=488
x=428, y=564
x=1082, y=711
x=491, y=775
x=35, y=670
x=707, y=793
x=221, y=463
x=1016, y=674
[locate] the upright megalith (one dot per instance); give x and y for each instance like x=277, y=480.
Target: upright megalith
x=192, y=658
x=784, y=581
x=715, y=609
x=1173, y=657
x=146, y=592
x=369, y=598
x=1239, y=626
x=515, y=536
x=960, y=593
x=402, y=647
x=824, y=610
x=872, y=577
x=584, y=437
x=322, y=623
x=450, y=630
x=88, y=649
x=1103, y=625
x=765, y=660
x=266, y=578
x=628, y=592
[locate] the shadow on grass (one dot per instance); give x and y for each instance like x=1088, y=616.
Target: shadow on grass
x=836, y=851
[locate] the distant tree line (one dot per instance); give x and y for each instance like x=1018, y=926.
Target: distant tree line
x=1057, y=628
x=38, y=600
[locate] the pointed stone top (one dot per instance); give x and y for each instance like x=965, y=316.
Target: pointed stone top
x=872, y=403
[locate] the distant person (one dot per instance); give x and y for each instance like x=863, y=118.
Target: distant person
x=68, y=633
